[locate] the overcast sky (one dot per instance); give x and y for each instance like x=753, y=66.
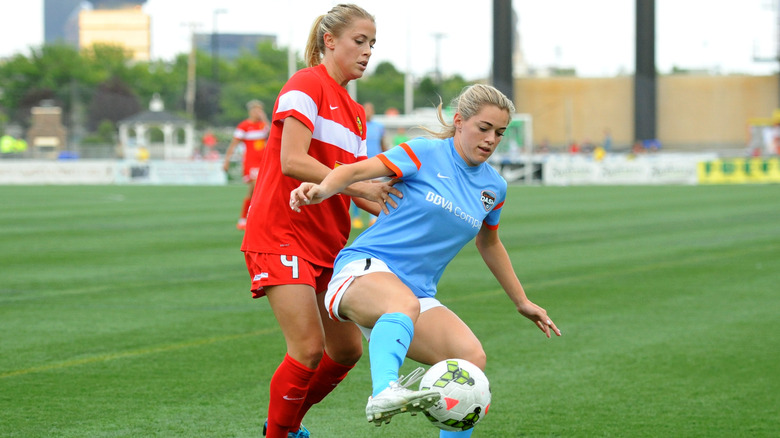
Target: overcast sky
x=596, y=36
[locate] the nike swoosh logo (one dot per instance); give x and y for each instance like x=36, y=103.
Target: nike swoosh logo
x=286, y=397
x=400, y=343
x=442, y=176
x=333, y=107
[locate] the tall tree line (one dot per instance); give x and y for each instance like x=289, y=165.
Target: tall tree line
x=101, y=85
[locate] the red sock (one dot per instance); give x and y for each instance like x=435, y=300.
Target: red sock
x=288, y=392
x=327, y=376
x=245, y=207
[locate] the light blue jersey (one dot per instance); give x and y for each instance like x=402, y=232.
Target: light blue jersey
x=445, y=204
x=374, y=133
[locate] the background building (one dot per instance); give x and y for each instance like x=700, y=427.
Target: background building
x=47, y=135
x=129, y=27
x=230, y=45
x=61, y=17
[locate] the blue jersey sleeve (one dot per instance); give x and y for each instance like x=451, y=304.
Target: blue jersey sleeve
x=404, y=159
x=494, y=215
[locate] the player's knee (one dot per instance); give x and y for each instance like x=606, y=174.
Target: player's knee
x=346, y=353
x=408, y=305
x=478, y=357
x=309, y=354
x=349, y=357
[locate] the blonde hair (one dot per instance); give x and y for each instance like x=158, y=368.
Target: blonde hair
x=253, y=103
x=468, y=103
x=334, y=23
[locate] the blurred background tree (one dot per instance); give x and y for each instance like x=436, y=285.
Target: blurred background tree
x=112, y=101
x=384, y=88
x=101, y=84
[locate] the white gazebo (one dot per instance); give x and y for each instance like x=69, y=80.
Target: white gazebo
x=178, y=134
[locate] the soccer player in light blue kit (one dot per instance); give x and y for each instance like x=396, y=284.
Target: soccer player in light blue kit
x=385, y=282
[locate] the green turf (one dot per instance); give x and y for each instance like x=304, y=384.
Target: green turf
x=124, y=312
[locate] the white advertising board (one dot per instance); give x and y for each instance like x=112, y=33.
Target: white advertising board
x=56, y=172
x=112, y=172
x=622, y=170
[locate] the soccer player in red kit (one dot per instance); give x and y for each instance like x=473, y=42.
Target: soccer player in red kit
x=253, y=132
x=316, y=126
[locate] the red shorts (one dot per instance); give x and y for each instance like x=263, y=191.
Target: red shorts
x=278, y=269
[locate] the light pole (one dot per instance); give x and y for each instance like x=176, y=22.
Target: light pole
x=189, y=97
x=215, y=46
x=437, y=37
x=215, y=62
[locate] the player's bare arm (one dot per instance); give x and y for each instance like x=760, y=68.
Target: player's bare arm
x=497, y=260
x=297, y=163
x=229, y=153
x=351, y=180
x=294, y=155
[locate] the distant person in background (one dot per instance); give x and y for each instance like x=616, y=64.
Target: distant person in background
x=210, y=146
x=587, y=146
x=209, y=139
x=638, y=148
x=607, y=143
x=375, y=145
x=10, y=146
x=7, y=144
x=652, y=145
x=543, y=147
x=599, y=153
x=253, y=132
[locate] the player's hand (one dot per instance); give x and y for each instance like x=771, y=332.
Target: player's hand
x=299, y=197
x=306, y=194
x=380, y=191
x=539, y=317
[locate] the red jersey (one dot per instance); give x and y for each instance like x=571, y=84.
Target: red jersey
x=338, y=128
x=254, y=136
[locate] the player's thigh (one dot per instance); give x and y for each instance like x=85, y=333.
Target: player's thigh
x=296, y=310
x=372, y=295
x=440, y=334
x=343, y=340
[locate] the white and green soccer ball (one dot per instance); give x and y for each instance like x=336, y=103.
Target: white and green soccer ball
x=465, y=394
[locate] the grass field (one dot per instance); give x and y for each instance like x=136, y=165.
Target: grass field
x=125, y=312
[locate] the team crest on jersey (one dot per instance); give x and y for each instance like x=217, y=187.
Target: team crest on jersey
x=359, y=125
x=488, y=199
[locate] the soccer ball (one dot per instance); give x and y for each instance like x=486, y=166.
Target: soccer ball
x=465, y=394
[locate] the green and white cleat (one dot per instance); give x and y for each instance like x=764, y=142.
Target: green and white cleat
x=398, y=398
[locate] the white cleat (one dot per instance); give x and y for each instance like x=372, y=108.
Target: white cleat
x=398, y=398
